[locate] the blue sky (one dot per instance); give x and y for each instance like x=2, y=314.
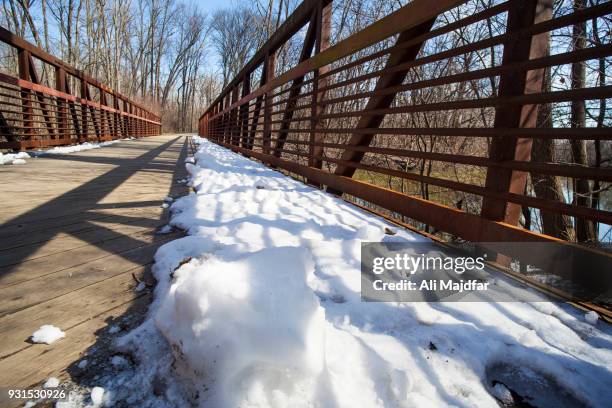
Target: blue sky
x=210, y=5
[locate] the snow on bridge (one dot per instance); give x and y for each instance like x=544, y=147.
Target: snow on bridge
x=261, y=307
x=258, y=306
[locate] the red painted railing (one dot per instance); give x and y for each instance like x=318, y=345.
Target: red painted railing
x=33, y=115
x=351, y=117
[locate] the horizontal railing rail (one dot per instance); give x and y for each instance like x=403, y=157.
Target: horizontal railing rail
x=447, y=135
x=33, y=115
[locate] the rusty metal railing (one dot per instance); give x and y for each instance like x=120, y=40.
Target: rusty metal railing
x=33, y=115
x=352, y=117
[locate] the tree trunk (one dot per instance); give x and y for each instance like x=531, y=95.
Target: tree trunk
x=600, y=120
x=585, y=230
x=545, y=186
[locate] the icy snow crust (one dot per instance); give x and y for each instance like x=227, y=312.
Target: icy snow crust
x=80, y=147
x=19, y=158
x=260, y=307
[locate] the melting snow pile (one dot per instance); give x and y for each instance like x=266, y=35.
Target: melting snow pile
x=14, y=158
x=51, y=382
x=79, y=147
x=97, y=396
x=260, y=307
x=47, y=334
x=19, y=158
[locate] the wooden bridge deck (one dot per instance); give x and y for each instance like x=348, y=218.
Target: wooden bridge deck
x=74, y=230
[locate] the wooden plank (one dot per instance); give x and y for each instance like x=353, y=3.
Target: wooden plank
x=68, y=310
x=35, y=364
x=73, y=222
x=112, y=222
x=64, y=259
x=17, y=297
x=71, y=265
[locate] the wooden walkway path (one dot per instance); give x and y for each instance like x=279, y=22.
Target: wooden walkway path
x=74, y=229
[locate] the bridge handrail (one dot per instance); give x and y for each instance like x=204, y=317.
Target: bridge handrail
x=305, y=105
x=34, y=115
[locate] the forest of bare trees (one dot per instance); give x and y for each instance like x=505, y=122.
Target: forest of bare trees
x=173, y=55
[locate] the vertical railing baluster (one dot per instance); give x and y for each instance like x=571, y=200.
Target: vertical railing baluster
x=323, y=22
x=270, y=63
x=244, y=110
x=23, y=58
x=522, y=14
x=234, y=128
x=62, y=112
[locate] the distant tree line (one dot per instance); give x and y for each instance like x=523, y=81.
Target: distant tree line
x=166, y=53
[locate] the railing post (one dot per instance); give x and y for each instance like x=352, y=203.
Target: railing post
x=234, y=120
x=134, y=121
x=116, y=116
x=76, y=125
x=108, y=101
x=219, y=122
x=258, y=102
x=103, y=120
x=134, y=112
x=270, y=62
x=62, y=112
x=138, y=122
x=84, y=108
x=46, y=112
x=521, y=14
x=224, y=121
x=244, y=110
x=211, y=127
x=23, y=57
x=126, y=119
x=213, y=131
x=323, y=23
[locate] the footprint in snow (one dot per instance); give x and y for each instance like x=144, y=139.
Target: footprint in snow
x=521, y=386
